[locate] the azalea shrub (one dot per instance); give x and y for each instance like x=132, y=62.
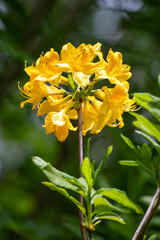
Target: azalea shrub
x=79, y=84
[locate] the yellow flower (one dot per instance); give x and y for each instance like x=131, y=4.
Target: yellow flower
x=32, y=91
x=115, y=102
x=52, y=104
x=115, y=70
x=80, y=61
x=46, y=70
x=58, y=123
x=35, y=91
x=100, y=107
x=90, y=108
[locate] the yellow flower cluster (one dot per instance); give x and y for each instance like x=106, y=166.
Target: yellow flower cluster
x=58, y=85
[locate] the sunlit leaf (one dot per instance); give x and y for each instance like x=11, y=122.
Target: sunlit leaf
x=72, y=83
x=150, y=102
x=57, y=177
x=100, y=167
x=119, y=197
x=142, y=99
x=74, y=181
x=129, y=163
x=150, y=139
x=110, y=216
x=87, y=171
x=148, y=127
x=154, y=107
x=101, y=205
x=66, y=194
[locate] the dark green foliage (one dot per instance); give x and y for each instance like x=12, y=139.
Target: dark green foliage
x=98, y=206
x=145, y=157
x=28, y=28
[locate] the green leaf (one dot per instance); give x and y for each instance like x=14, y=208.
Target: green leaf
x=150, y=139
x=85, y=185
x=156, y=168
x=39, y=162
x=119, y=197
x=144, y=159
x=75, y=182
x=146, y=165
x=142, y=99
x=148, y=127
x=129, y=143
x=141, y=160
x=87, y=171
x=154, y=108
x=129, y=163
x=66, y=194
x=88, y=146
x=110, y=216
x=146, y=153
x=101, y=205
x=153, y=237
x=57, y=177
x=150, y=102
x=99, y=169
x=72, y=83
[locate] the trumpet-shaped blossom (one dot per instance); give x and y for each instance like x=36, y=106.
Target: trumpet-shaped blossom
x=114, y=70
x=58, y=123
x=35, y=91
x=47, y=90
x=115, y=102
x=46, y=69
x=80, y=61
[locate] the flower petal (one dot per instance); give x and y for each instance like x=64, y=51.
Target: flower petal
x=81, y=79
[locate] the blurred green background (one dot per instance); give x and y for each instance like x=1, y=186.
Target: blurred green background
x=29, y=210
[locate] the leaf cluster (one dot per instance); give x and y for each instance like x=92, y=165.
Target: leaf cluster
x=97, y=202
x=148, y=156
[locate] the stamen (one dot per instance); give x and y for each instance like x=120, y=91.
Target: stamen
x=134, y=108
x=25, y=63
x=115, y=124
x=24, y=93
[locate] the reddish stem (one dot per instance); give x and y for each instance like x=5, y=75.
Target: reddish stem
x=80, y=162
x=148, y=216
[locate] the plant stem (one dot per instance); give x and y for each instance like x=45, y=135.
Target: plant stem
x=148, y=216
x=80, y=162
x=90, y=235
